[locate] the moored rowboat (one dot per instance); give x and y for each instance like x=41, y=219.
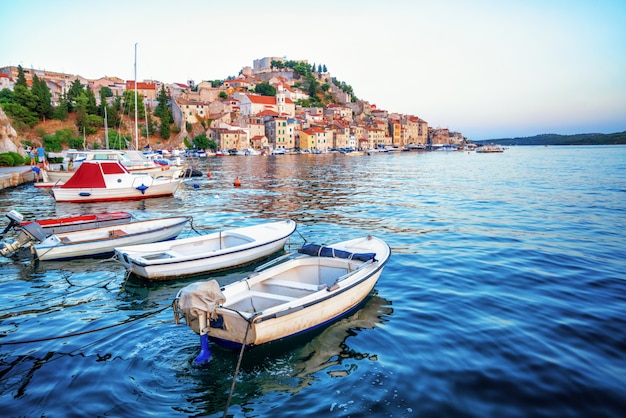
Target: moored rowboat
x=205, y=253
x=298, y=295
x=80, y=222
x=94, y=242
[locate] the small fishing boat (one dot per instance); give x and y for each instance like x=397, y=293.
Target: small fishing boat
x=488, y=149
x=95, y=242
x=101, y=181
x=282, y=299
x=355, y=153
x=70, y=223
x=80, y=222
x=205, y=253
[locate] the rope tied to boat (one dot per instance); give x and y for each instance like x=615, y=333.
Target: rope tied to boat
x=243, y=348
x=75, y=334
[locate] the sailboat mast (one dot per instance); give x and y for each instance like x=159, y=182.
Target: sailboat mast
x=136, y=123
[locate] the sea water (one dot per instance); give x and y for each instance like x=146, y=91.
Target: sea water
x=504, y=295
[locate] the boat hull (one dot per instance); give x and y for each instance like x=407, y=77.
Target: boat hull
x=207, y=253
x=292, y=297
x=105, y=181
x=78, y=223
x=81, y=195
x=296, y=320
x=98, y=242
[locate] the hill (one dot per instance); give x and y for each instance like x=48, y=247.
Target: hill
x=617, y=138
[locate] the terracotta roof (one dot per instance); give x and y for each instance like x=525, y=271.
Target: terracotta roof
x=130, y=85
x=266, y=100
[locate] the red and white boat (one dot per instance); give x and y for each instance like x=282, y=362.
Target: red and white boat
x=80, y=222
x=101, y=181
x=68, y=224
x=134, y=161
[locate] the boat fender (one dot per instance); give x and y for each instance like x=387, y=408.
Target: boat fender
x=205, y=350
x=84, y=194
x=142, y=188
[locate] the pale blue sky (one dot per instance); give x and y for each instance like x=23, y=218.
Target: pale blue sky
x=486, y=68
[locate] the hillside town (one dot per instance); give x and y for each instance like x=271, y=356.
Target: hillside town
x=231, y=113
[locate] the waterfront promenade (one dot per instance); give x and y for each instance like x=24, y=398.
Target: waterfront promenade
x=14, y=176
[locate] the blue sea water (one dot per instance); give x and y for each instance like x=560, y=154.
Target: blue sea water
x=504, y=296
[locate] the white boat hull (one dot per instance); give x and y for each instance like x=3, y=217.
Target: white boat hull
x=156, y=189
x=296, y=320
x=102, y=241
x=289, y=298
x=206, y=253
x=102, y=181
x=57, y=177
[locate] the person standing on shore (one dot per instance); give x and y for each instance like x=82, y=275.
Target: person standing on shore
x=41, y=154
x=31, y=154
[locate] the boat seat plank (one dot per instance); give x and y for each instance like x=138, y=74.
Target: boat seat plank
x=270, y=296
x=293, y=284
x=117, y=233
x=255, y=293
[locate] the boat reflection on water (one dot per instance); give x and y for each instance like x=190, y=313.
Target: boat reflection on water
x=291, y=365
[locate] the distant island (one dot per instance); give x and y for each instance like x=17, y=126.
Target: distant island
x=618, y=138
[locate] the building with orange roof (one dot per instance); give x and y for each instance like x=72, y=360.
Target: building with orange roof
x=252, y=104
x=145, y=89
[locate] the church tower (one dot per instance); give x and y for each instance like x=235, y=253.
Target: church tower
x=280, y=98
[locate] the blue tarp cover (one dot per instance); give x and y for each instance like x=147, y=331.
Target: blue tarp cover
x=321, y=251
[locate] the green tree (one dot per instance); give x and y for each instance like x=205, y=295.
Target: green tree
x=73, y=93
x=161, y=103
x=43, y=97
x=277, y=64
x=201, y=141
x=94, y=122
x=129, y=104
x=61, y=112
x=265, y=89
x=223, y=95
x=165, y=128
x=21, y=78
x=92, y=107
x=81, y=114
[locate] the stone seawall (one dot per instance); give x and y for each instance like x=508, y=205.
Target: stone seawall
x=11, y=178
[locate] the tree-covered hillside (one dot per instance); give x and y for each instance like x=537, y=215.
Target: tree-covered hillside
x=555, y=139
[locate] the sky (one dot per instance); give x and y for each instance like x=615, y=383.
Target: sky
x=486, y=68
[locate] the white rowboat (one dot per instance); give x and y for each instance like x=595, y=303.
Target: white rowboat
x=102, y=241
x=216, y=251
x=285, y=299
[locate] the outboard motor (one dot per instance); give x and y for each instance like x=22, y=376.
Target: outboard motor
x=33, y=232
x=15, y=219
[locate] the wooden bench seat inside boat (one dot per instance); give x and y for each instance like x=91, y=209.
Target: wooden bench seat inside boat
x=252, y=301
x=293, y=284
x=116, y=233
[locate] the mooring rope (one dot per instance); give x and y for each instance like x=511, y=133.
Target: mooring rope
x=232, y=386
x=75, y=334
x=64, y=295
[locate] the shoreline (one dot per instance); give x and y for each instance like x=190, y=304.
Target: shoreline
x=14, y=176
